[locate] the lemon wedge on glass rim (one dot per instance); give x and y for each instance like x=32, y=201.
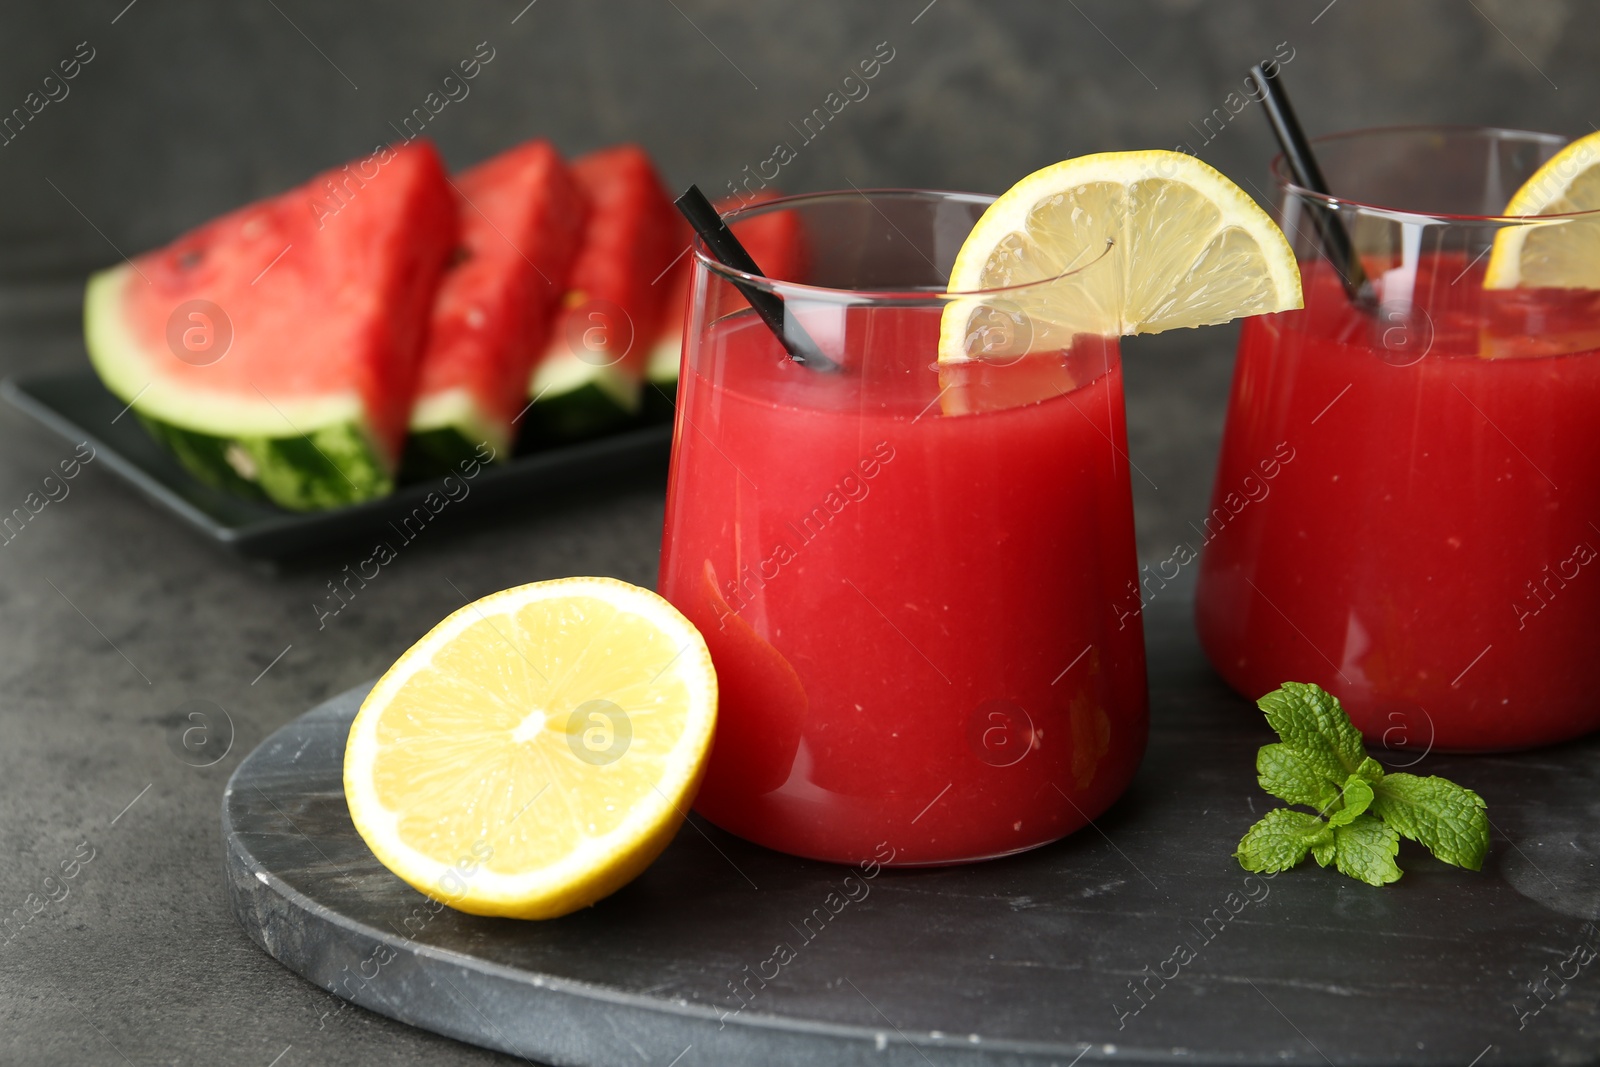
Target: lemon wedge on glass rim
x=1563, y=253
x=1155, y=240
x=537, y=749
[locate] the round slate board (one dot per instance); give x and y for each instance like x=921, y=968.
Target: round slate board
x=1138, y=939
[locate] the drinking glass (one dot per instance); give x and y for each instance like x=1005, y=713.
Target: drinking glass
x=913, y=578
x=1406, y=500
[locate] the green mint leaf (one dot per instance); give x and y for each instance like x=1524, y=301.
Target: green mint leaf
x=1311, y=722
x=1362, y=811
x=1357, y=798
x=1366, y=849
x=1371, y=770
x=1447, y=819
x=1281, y=840
x=1288, y=777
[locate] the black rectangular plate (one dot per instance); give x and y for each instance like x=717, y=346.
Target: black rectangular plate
x=75, y=405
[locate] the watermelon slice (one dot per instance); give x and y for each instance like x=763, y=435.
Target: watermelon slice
x=774, y=241
x=275, y=349
x=589, y=376
x=522, y=219
x=661, y=367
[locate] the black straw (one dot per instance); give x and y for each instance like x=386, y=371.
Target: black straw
x=1336, y=243
x=727, y=250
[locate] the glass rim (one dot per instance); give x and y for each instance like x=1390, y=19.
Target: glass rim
x=925, y=295
x=1278, y=170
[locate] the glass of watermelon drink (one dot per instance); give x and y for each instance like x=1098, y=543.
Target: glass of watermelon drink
x=912, y=578
x=1406, y=499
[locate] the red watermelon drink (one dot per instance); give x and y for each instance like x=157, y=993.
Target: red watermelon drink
x=907, y=575
x=912, y=558
x=1406, y=501
x=855, y=593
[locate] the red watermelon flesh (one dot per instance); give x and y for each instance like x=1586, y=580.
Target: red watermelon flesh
x=612, y=310
x=774, y=240
x=326, y=289
x=522, y=220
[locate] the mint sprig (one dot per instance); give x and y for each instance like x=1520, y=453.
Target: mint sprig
x=1361, y=813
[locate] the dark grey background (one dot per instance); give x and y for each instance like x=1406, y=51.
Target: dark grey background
x=114, y=617
x=189, y=109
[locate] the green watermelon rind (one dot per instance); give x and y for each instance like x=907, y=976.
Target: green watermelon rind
x=662, y=366
x=561, y=372
x=440, y=451
x=661, y=379
x=450, y=426
x=573, y=398
x=577, y=416
x=578, y=402
x=327, y=468
x=204, y=456
x=302, y=455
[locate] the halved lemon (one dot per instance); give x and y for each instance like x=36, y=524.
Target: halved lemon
x=537, y=749
x=1162, y=240
x=1563, y=253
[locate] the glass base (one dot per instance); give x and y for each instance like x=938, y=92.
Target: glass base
x=896, y=864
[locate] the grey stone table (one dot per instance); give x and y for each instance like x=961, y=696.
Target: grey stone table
x=119, y=625
x=114, y=619
x=1138, y=940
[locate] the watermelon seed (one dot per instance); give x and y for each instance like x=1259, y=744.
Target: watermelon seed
x=241, y=461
